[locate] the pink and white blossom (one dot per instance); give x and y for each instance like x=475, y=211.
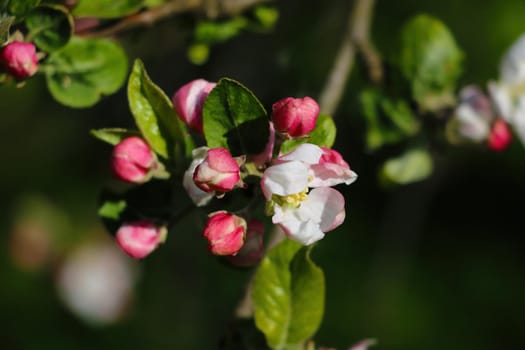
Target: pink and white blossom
x=218, y=172
x=139, y=238
x=305, y=215
x=199, y=197
x=133, y=160
x=189, y=100
x=225, y=233
x=295, y=116
x=19, y=59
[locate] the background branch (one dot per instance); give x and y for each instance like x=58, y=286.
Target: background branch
x=211, y=8
x=356, y=40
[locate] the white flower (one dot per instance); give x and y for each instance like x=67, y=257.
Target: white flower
x=306, y=215
x=512, y=65
x=198, y=196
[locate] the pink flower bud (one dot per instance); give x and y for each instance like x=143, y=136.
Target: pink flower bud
x=225, y=233
x=189, y=100
x=139, y=238
x=132, y=160
x=500, y=135
x=295, y=116
x=252, y=250
x=218, y=172
x=333, y=157
x=19, y=59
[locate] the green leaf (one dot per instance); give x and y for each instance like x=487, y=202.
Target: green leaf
x=82, y=71
x=288, y=295
x=106, y=8
x=156, y=118
x=112, y=209
x=212, y=32
x=388, y=120
x=50, y=27
x=412, y=166
x=431, y=60
x=266, y=16
x=5, y=25
x=323, y=135
x=113, y=136
x=21, y=8
x=234, y=118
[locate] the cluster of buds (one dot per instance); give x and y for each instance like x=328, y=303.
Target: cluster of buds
x=19, y=59
x=297, y=186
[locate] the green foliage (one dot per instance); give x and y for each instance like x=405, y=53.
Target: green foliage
x=388, y=120
x=323, y=135
x=50, y=27
x=113, y=136
x=266, y=16
x=156, y=118
x=288, y=295
x=412, y=166
x=82, y=71
x=21, y=8
x=106, y=8
x=234, y=118
x=211, y=32
x=5, y=25
x=431, y=60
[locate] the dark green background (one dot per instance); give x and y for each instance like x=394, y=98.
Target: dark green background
x=435, y=265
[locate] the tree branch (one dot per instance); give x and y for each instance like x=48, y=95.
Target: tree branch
x=212, y=9
x=356, y=40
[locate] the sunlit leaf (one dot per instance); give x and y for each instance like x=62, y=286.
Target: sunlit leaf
x=113, y=135
x=106, y=8
x=84, y=70
x=288, y=295
x=156, y=118
x=412, y=166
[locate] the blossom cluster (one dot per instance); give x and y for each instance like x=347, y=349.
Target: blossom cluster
x=490, y=118
x=296, y=186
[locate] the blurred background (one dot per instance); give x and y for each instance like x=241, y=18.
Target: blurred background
x=433, y=265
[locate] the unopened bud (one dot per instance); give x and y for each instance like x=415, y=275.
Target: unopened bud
x=132, y=160
x=19, y=59
x=500, y=136
x=225, y=233
x=295, y=116
x=139, y=238
x=252, y=250
x=218, y=172
x=189, y=101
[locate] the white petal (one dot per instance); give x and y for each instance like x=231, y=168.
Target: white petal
x=307, y=153
x=330, y=174
x=303, y=231
x=502, y=99
x=284, y=179
x=324, y=206
x=198, y=196
x=512, y=67
x=472, y=124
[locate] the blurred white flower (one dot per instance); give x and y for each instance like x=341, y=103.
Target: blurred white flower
x=96, y=282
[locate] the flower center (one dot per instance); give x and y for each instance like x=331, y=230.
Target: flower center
x=291, y=200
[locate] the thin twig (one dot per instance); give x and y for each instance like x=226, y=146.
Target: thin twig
x=356, y=40
x=212, y=9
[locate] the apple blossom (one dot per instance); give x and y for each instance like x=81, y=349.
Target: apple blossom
x=473, y=114
x=295, y=116
x=139, y=238
x=132, y=160
x=19, y=59
x=218, y=172
x=304, y=214
x=189, y=101
x=225, y=233
x=252, y=250
x=198, y=196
